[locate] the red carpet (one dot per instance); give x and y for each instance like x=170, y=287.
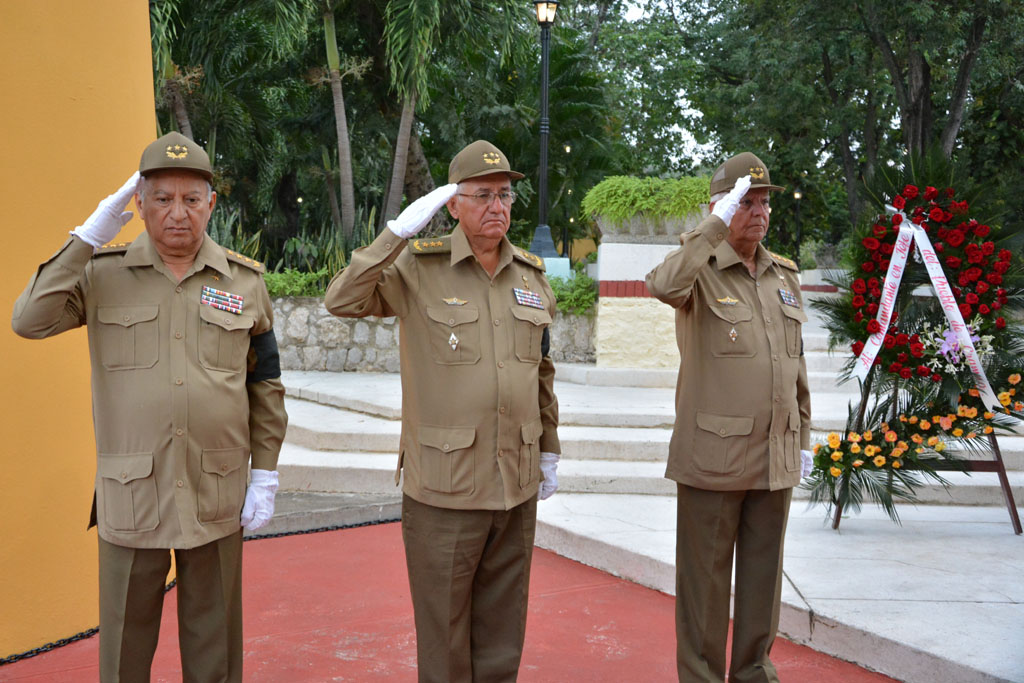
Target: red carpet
x=334, y=606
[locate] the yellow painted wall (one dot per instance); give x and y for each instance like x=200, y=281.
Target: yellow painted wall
x=77, y=110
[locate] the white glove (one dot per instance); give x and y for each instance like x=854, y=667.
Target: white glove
x=109, y=217
x=725, y=208
x=419, y=213
x=806, y=463
x=259, y=499
x=548, y=468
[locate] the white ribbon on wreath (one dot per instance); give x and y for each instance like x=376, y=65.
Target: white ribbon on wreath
x=910, y=233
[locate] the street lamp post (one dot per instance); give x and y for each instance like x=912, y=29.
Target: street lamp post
x=797, y=196
x=545, y=17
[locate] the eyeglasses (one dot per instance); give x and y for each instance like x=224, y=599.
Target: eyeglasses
x=485, y=198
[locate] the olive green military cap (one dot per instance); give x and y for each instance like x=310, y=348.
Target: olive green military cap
x=175, y=152
x=745, y=163
x=477, y=159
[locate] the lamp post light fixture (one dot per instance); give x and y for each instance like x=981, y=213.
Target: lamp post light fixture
x=797, y=196
x=545, y=17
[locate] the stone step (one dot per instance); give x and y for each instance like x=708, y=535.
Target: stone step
x=322, y=427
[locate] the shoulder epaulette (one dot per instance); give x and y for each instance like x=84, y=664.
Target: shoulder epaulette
x=783, y=261
x=431, y=245
x=245, y=261
x=526, y=257
x=118, y=248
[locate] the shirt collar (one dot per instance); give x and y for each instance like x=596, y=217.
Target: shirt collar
x=143, y=253
x=726, y=256
x=461, y=249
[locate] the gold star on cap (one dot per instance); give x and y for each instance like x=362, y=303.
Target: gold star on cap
x=756, y=172
x=491, y=158
x=177, y=152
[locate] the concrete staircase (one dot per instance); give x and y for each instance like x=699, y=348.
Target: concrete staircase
x=615, y=427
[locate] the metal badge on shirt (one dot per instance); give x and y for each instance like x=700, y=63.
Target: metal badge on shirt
x=525, y=297
x=788, y=298
x=221, y=300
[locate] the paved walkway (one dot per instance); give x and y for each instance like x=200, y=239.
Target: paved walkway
x=334, y=606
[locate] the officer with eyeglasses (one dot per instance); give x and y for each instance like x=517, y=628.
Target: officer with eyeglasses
x=479, y=439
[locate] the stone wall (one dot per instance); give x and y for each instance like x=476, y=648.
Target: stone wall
x=310, y=338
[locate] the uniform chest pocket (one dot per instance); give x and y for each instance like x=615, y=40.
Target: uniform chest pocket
x=795, y=318
x=454, y=334
x=530, y=324
x=128, y=336
x=223, y=339
x=730, y=333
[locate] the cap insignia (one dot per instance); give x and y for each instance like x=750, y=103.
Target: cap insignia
x=177, y=151
x=492, y=158
x=756, y=172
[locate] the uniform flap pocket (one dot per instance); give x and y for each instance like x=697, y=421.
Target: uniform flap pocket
x=228, y=321
x=725, y=425
x=535, y=316
x=453, y=315
x=532, y=431
x=223, y=461
x=126, y=315
x=125, y=468
x=733, y=314
x=795, y=313
x=447, y=438
x=794, y=421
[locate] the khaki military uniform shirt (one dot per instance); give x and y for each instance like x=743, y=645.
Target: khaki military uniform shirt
x=175, y=411
x=742, y=404
x=478, y=404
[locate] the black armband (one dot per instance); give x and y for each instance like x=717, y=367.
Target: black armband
x=264, y=360
x=545, y=343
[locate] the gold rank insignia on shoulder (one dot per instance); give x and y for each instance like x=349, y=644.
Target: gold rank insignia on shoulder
x=435, y=245
x=728, y=301
x=244, y=260
x=783, y=261
x=534, y=260
x=455, y=301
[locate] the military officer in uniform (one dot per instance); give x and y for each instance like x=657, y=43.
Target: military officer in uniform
x=185, y=388
x=479, y=414
x=742, y=425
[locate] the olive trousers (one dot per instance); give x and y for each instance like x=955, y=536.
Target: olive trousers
x=469, y=576
x=209, y=587
x=709, y=526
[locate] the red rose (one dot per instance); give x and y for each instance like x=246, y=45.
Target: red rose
x=918, y=211
x=910, y=191
x=899, y=202
x=930, y=193
x=976, y=257
x=859, y=286
x=1001, y=266
x=889, y=341
x=936, y=215
x=956, y=290
x=917, y=219
x=1005, y=255
x=870, y=243
x=958, y=207
x=923, y=370
x=973, y=273
x=988, y=248
x=903, y=358
x=982, y=287
x=902, y=339
x=876, y=257
x=1000, y=322
x=917, y=350
x=953, y=262
x=858, y=316
x=886, y=248
x=995, y=278
x=879, y=231
x=867, y=266
x=915, y=339
x=895, y=367
x=965, y=310
x=936, y=377
x=905, y=373
x=996, y=305
x=876, y=293
x=1000, y=292
x=955, y=238
x=858, y=301
x=946, y=216
x=858, y=346
x=874, y=327
x=971, y=298
x=984, y=309
x=872, y=308
x=981, y=230
x=896, y=220
x=939, y=247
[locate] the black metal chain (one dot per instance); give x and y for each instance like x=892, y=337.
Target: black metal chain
x=93, y=631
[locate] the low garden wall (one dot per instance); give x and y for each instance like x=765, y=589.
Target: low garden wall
x=310, y=338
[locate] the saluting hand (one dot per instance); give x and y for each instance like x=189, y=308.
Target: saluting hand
x=419, y=213
x=725, y=208
x=109, y=217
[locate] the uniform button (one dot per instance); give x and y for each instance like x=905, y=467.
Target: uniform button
x=227, y=321
x=501, y=453
x=177, y=335
x=223, y=468
x=757, y=284
x=720, y=235
x=501, y=363
x=127, y=318
x=777, y=399
x=179, y=432
x=445, y=447
x=179, y=381
x=180, y=483
x=124, y=475
x=451, y=321
x=768, y=320
x=178, y=290
x=497, y=322
x=501, y=410
x=535, y=319
x=775, y=357
x=388, y=245
x=722, y=432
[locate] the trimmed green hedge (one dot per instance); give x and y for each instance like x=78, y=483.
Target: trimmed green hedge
x=619, y=198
